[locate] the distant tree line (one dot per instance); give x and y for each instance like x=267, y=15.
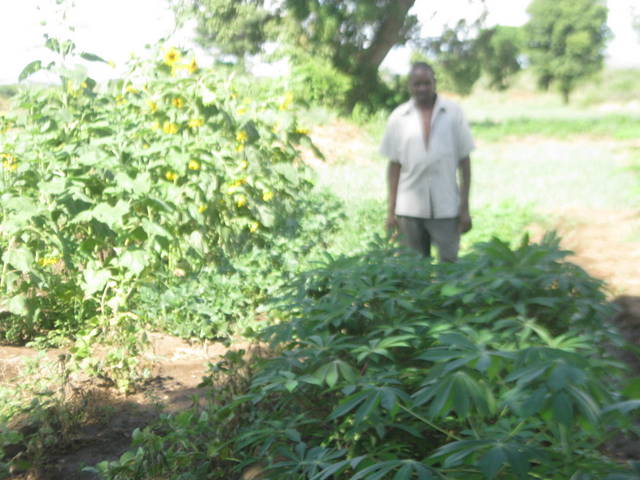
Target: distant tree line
x=346, y=40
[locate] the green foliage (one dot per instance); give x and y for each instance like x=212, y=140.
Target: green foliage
x=387, y=366
x=611, y=86
x=465, y=51
x=230, y=298
x=566, y=41
x=499, y=49
x=316, y=81
x=457, y=57
x=352, y=36
x=8, y=91
x=239, y=28
x=173, y=168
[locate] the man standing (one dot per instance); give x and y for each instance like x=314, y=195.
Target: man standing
x=427, y=141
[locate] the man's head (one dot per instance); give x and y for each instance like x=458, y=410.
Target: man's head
x=422, y=83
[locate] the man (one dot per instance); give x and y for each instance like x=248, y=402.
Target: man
x=427, y=141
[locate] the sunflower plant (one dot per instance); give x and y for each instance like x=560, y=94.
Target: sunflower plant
x=170, y=168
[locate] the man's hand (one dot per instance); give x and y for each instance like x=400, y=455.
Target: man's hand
x=464, y=221
x=391, y=225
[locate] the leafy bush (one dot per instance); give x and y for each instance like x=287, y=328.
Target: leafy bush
x=387, y=366
x=230, y=298
x=316, y=80
x=169, y=170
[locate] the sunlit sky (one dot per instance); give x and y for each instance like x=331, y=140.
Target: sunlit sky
x=116, y=28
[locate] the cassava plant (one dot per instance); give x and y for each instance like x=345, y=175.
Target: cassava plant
x=385, y=366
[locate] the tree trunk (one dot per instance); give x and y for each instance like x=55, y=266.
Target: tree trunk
x=389, y=33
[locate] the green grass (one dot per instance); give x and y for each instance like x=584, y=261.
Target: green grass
x=553, y=175
x=616, y=126
x=362, y=187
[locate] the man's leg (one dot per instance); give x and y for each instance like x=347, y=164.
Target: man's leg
x=446, y=236
x=413, y=234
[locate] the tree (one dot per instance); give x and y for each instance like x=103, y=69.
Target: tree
x=499, y=50
x=456, y=56
x=354, y=35
x=566, y=41
x=238, y=27
x=463, y=52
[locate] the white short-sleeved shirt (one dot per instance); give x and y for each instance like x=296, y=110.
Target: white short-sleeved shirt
x=428, y=186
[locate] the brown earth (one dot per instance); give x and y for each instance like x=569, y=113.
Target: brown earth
x=173, y=386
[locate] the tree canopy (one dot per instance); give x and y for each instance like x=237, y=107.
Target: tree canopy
x=354, y=35
x=566, y=41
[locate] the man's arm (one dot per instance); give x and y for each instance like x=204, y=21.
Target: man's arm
x=393, y=177
x=465, y=185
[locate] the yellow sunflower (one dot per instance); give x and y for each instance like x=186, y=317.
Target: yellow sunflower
x=171, y=57
x=196, y=123
x=241, y=201
x=242, y=136
x=153, y=106
x=170, y=128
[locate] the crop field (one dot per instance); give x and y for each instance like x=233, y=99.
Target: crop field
x=196, y=284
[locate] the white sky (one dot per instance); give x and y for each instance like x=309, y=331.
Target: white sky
x=116, y=28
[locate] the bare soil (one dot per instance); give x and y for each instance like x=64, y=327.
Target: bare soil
x=173, y=386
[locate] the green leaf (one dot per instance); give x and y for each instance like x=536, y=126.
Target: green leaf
x=491, y=462
x=623, y=407
x=30, y=69
x=562, y=408
x=368, y=407
x=461, y=400
x=19, y=258
x=450, y=290
x=134, y=260
x=632, y=388
x=111, y=216
x=55, y=186
x=95, y=280
x=347, y=371
x=290, y=385
x=348, y=404
x=586, y=404
x=266, y=216
x=91, y=157
x=332, y=375
x=526, y=375
x=534, y=402
x=91, y=57
x=18, y=305
x=24, y=205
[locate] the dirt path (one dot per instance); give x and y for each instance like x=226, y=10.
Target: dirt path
x=178, y=369
x=606, y=244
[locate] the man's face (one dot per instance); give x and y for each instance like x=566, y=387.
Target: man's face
x=422, y=85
